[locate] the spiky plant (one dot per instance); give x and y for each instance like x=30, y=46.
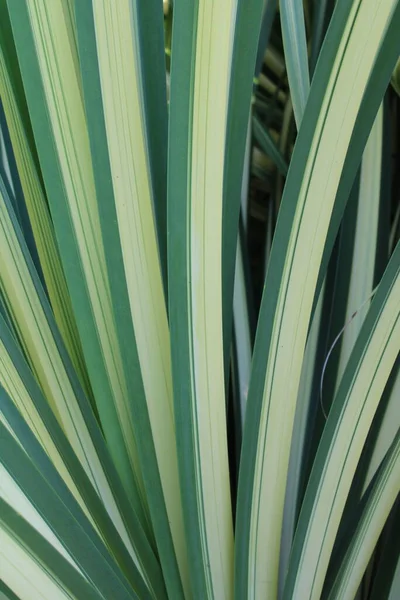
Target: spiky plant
x=199, y=299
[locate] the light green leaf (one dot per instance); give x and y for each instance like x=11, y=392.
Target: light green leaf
x=296, y=58
x=380, y=501
x=43, y=500
x=387, y=431
x=355, y=38
x=37, y=207
x=49, y=66
x=118, y=139
x=52, y=368
x=32, y=567
x=268, y=145
x=244, y=54
x=297, y=463
x=365, y=240
x=201, y=56
x=6, y=593
x=344, y=435
x=125, y=538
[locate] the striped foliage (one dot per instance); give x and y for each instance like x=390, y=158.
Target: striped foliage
x=199, y=299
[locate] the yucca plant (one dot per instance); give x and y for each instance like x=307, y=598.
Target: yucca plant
x=199, y=299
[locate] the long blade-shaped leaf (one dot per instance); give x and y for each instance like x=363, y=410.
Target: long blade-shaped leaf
x=32, y=567
x=322, y=12
x=352, y=44
x=356, y=267
x=268, y=145
x=344, y=435
x=9, y=173
x=244, y=54
x=298, y=444
x=6, y=593
x=296, y=58
x=242, y=333
x=201, y=56
x=42, y=344
x=373, y=95
x=388, y=427
x=48, y=57
x=382, y=497
x=150, y=31
x=118, y=136
x=366, y=239
x=45, y=502
x=36, y=203
x=387, y=577
x=128, y=542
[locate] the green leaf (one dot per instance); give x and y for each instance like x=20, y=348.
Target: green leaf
x=303, y=223
x=387, y=579
x=296, y=58
x=356, y=266
x=11, y=179
x=49, y=65
x=243, y=335
x=298, y=447
x=33, y=567
x=366, y=240
x=47, y=505
x=265, y=32
x=375, y=513
x=122, y=533
x=322, y=13
x=244, y=54
x=52, y=367
x=395, y=80
x=150, y=31
x=15, y=110
x=374, y=92
x=388, y=426
x=201, y=55
x=344, y=435
x=118, y=142
x=6, y=593
x=268, y=145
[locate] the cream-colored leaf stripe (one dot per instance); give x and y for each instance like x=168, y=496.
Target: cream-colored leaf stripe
x=375, y=513
x=42, y=226
x=57, y=58
x=360, y=42
x=12, y=383
x=14, y=496
x=387, y=432
x=360, y=404
x=296, y=58
x=24, y=575
x=366, y=239
x=118, y=61
x=39, y=491
x=210, y=104
x=20, y=293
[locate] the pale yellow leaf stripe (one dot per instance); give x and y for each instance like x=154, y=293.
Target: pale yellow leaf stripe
x=23, y=574
x=11, y=493
x=57, y=56
x=358, y=47
x=18, y=289
x=355, y=420
x=210, y=105
x=366, y=239
x=117, y=47
x=15, y=388
x=42, y=226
